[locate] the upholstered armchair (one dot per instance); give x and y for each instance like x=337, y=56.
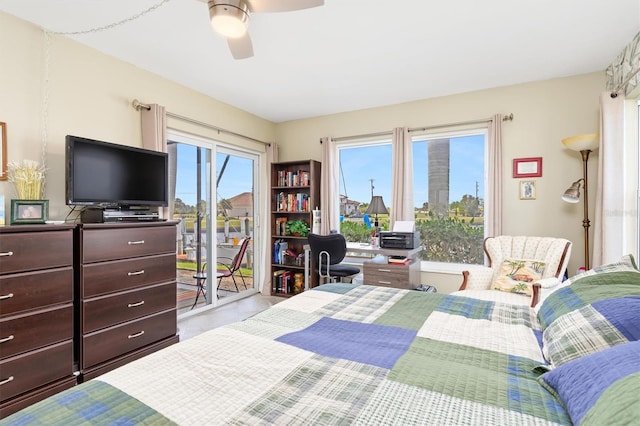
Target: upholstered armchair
x=521, y=269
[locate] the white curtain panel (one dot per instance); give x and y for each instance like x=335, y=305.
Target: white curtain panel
x=273, y=152
x=493, y=216
x=154, y=136
x=329, y=187
x=402, y=170
x=272, y=156
x=609, y=229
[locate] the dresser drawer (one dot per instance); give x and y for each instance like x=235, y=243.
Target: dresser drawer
x=396, y=276
x=118, y=243
x=109, y=277
x=22, y=333
x=104, y=311
x=29, y=251
x=113, y=342
x=37, y=368
x=34, y=290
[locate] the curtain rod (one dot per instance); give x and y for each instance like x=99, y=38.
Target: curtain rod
x=368, y=135
x=139, y=105
x=508, y=117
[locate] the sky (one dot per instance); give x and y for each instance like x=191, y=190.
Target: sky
x=358, y=167
x=237, y=177
x=361, y=164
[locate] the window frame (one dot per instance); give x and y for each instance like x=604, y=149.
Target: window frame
x=469, y=130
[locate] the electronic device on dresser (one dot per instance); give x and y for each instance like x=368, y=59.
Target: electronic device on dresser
x=399, y=240
x=115, y=183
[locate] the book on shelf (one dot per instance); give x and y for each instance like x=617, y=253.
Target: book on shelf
x=298, y=202
x=281, y=223
x=293, y=178
x=283, y=281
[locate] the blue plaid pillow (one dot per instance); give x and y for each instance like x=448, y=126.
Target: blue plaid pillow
x=601, y=388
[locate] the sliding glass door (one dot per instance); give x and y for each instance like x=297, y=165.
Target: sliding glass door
x=236, y=203
x=213, y=199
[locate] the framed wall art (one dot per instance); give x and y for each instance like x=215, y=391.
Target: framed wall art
x=29, y=211
x=527, y=189
x=527, y=167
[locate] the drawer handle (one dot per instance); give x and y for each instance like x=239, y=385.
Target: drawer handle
x=6, y=339
x=6, y=296
x=384, y=270
x=133, y=305
x=384, y=282
x=7, y=380
x=6, y=253
x=134, y=243
x=140, y=272
x=134, y=335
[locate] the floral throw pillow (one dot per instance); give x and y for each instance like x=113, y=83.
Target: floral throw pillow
x=518, y=275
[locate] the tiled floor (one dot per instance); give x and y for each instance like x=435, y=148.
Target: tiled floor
x=226, y=314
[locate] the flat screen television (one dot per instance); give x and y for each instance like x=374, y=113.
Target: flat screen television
x=108, y=175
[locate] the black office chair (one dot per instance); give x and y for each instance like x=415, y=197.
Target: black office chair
x=328, y=251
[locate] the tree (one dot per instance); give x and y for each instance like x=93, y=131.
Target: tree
x=223, y=206
x=469, y=205
x=449, y=239
x=179, y=207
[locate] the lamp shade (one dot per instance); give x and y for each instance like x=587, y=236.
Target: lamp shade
x=376, y=206
x=572, y=194
x=229, y=19
x=582, y=142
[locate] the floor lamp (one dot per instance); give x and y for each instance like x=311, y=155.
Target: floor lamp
x=583, y=144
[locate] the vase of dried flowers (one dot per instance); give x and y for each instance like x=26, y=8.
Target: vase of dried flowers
x=27, y=177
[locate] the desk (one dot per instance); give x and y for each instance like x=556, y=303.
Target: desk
x=367, y=249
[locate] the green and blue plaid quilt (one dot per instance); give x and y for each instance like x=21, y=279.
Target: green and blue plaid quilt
x=338, y=354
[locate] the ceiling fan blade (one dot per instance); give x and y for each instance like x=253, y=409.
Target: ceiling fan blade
x=241, y=48
x=282, y=5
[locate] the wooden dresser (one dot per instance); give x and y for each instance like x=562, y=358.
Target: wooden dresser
x=36, y=314
x=126, y=288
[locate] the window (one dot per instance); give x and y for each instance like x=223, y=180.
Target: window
x=449, y=192
x=449, y=179
x=365, y=171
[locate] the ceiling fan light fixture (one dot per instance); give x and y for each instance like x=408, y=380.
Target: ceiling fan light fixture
x=229, y=18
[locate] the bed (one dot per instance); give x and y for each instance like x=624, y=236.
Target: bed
x=347, y=354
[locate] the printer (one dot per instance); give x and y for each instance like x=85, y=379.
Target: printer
x=400, y=240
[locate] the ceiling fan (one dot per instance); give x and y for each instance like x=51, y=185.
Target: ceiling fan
x=231, y=18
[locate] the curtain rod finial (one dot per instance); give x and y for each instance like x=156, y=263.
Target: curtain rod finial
x=508, y=117
x=137, y=105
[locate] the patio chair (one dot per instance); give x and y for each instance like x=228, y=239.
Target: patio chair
x=201, y=279
x=230, y=269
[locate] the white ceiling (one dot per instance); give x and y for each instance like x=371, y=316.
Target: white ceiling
x=351, y=54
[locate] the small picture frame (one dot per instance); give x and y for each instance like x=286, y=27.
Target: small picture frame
x=29, y=211
x=527, y=189
x=527, y=167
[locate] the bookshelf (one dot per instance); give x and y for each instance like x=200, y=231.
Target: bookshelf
x=295, y=193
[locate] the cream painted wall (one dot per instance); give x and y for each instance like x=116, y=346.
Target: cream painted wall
x=544, y=113
x=89, y=94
